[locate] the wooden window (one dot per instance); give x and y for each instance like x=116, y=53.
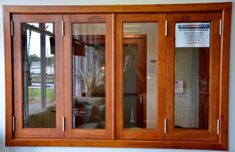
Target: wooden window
x=140, y=110
x=38, y=80
x=117, y=76
x=89, y=82
x=198, y=68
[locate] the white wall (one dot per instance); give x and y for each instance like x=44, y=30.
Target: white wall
x=187, y=103
x=101, y=2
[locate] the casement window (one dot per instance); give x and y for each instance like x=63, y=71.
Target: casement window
x=119, y=76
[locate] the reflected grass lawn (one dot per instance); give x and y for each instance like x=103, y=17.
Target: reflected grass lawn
x=35, y=94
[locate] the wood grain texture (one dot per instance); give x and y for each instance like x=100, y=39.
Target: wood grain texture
x=142, y=133
x=118, y=143
x=195, y=134
x=224, y=77
x=108, y=132
x=158, y=8
x=112, y=137
x=8, y=75
x=18, y=77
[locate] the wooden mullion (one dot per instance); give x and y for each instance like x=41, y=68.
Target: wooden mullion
x=224, y=77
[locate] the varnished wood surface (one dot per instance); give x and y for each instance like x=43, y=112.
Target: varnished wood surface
x=8, y=76
x=18, y=77
x=30, y=138
x=195, y=134
x=120, y=8
x=118, y=143
x=141, y=133
x=224, y=77
x=85, y=133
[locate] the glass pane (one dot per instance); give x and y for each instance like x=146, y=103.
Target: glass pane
x=192, y=81
x=38, y=48
x=88, y=44
x=140, y=75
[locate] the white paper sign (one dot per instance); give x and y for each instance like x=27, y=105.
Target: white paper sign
x=179, y=86
x=192, y=35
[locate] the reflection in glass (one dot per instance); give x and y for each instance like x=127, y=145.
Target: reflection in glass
x=139, y=75
x=38, y=56
x=88, y=44
x=191, y=87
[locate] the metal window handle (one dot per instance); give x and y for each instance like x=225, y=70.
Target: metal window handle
x=63, y=124
x=141, y=97
x=165, y=125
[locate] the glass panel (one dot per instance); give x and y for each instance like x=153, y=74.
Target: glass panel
x=140, y=75
x=38, y=48
x=192, y=81
x=88, y=44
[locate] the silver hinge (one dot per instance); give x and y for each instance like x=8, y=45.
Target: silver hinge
x=13, y=123
x=165, y=125
x=218, y=127
x=220, y=26
x=166, y=27
x=12, y=28
x=62, y=26
x=63, y=124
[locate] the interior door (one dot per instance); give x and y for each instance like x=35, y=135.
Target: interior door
x=140, y=56
x=89, y=79
x=203, y=87
x=193, y=76
x=138, y=44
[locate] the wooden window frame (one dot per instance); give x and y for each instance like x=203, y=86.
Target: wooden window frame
x=223, y=8
x=209, y=134
x=156, y=133
x=108, y=131
x=18, y=80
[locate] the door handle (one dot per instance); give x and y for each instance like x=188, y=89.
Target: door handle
x=141, y=97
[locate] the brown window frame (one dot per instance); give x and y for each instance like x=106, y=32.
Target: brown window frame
x=156, y=133
x=108, y=132
x=209, y=134
x=220, y=142
x=18, y=80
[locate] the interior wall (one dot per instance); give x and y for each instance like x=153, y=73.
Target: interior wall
x=187, y=103
x=89, y=149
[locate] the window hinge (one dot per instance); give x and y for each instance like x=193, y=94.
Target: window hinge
x=166, y=27
x=220, y=27
x=62, y=28
x=12, y=28
x=63, y=124
x=165, y=125
x=218, y=127
x=13, y=123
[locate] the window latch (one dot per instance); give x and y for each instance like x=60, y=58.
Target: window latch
x=141, y=99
